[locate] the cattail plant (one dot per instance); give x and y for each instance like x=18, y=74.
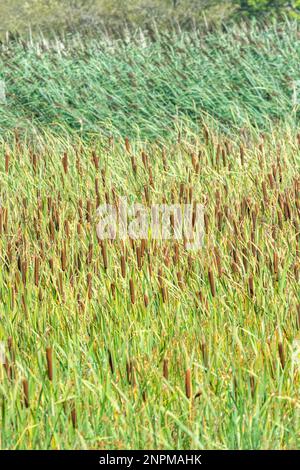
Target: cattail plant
x=25, y=393
x=89, y=286
x=49, y=363
x=212, y=282
x=132, y=291
x=251, y=285
x=281, y=355
x=166, y=369
x=252, y=385
x=7, y=162
x=110, y=360
x=188, y=384
x=146, y=300
x=123, y=266
x=65, y=163
x=74, y=416
x=104, y=254
x=127, y=145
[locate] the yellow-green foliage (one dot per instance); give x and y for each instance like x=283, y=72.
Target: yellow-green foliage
x=225, y=316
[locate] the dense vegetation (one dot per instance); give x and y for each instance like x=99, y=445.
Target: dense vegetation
x=143, y=343
x=143, y=84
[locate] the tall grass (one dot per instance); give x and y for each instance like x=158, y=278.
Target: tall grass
x=141, y=85
x=144, y=344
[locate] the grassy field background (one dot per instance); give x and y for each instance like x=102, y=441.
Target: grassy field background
x=146, y=344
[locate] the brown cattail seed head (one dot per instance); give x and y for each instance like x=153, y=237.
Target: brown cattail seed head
x=132, y=292
x=188, y=384
x=25, y=393
x=212, y=282
x=49, y=363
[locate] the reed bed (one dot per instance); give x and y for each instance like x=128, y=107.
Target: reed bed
x=115, y=344
x=142, y=85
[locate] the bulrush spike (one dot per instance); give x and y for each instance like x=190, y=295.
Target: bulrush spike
x=164, y=293
x=6, y=162
x=188, y=384
x=281, y=355
x=74, y=416
x=146, y=300
x=95, y=160
x=145, y=160
x=242, y=155
x=129, y=370
x=36, y=270
x=123, y=266
x=176, y=254
x=24, y=271
x=89, y=211
x=11, y=349
x=51, y=265
x=252, y=385
x=180, y=280
x=166, y=369
x=146, y=192
x=111, y=364
x=113, y=290
x=206, y=135
x=212, y=282
x=224, y=156
x=103, y=176
x=89, y=284
x=127, y=145
x=139, y=257
x=104, y=254
x=63, y=257
x=218, y=261
x=133, y=164
x=251, y=286
x=67, y=228
x=65, y=162
x=132, y=293
x=90, y=253
x=8, y=368
x=25, y=393
x=49, y=363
